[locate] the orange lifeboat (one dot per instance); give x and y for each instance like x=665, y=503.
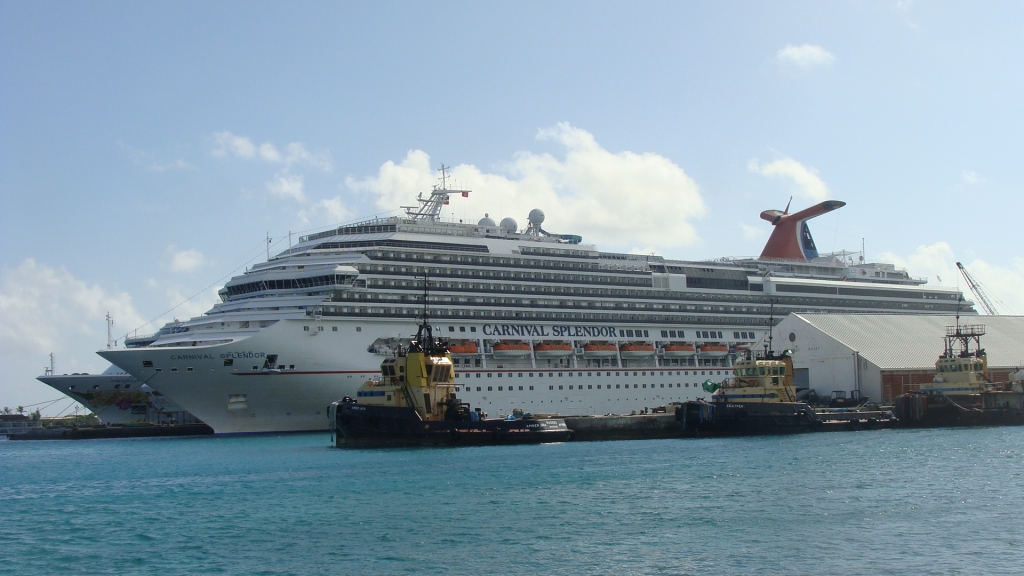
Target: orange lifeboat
x=510, y=349
x=552, y=350
x=636, y=350
x=599, y=350
x=709, y=350
x=679, y=350
x=464, y=349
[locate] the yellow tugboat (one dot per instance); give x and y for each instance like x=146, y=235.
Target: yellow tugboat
x=759, y=399
x=413, y=402
x=961, y=394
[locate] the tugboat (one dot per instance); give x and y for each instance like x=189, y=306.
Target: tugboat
x=961, y=394
x=759, y=399
x=413, y=402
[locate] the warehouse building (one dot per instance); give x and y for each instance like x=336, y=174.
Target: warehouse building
x=883, y=356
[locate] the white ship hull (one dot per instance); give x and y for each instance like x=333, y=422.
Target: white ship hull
x=247, y=398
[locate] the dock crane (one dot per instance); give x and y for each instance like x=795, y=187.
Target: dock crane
x=986, y=302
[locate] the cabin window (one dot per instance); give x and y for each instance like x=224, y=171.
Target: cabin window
x=175, y=369
x=334, y=328
x=559, y=386
x=477, y=388
x=490, y=388
x=147, y=363
x=472, y=328
x=761, y=371
x=305, y=328
x=499, y=388
x=520, y=387
x=531, y=387
x=229, y=362
x=617, y=386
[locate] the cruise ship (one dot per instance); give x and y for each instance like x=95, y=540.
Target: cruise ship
x=537, y=321
x=116, y=397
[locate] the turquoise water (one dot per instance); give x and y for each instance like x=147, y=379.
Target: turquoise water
x=876, y=502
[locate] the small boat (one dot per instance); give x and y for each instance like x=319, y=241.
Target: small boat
x=960, y=393
x=713, y=350
x=505, y=349
x=413, y=402
x=600, y=350
x=759, y=399
x=463, y=349
x=552, y=350
x=636, y=350
x=679, y=350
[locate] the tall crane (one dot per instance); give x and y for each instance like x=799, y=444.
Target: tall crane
x=986, y=302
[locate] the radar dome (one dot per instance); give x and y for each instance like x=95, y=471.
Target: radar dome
x=536, y=217
x=509, y=224
x=486, y=221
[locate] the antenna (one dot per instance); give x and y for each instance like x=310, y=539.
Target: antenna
x=110, y=326
x=49, y=371
x=268, y=246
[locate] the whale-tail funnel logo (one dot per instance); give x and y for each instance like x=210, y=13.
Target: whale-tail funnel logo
x=791, y=238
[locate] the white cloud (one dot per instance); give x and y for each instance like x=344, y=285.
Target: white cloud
x=226, y=143
x=46, y=309
x=330, y=210
x=972, y=177
x=186, y=260
x=808, y=184
x=805, y=56
x=937, y=263
x=620, y=198
x=269, y=152
x=287, y=186
x=295, y=153
x=752, y=232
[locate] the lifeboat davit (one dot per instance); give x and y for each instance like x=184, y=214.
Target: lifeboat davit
x=636, y=350
x=600, y=350
x=552, y=350
x=464, y=349
x=510, y=349
x=679, y=350
x=713, y=350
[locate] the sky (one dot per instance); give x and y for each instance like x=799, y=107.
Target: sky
x=147, y=149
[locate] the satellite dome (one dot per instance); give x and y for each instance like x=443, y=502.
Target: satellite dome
x=509, y=224
x=486, y=221
x=536, y=217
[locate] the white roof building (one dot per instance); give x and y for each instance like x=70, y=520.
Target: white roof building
x=881, y=356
